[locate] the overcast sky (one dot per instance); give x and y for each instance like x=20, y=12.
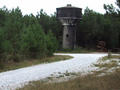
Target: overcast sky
x=49, y=6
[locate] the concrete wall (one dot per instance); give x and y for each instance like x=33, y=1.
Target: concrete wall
x=69, y=36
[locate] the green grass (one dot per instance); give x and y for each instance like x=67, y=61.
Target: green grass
x=24, y=63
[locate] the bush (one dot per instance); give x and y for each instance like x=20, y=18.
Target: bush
x=34, y=42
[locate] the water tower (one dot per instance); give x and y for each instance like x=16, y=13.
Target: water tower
x=69, y=16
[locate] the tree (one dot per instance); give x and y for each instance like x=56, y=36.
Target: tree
x=34, y=41
x=52, y=44
x=90, y=29
x=24, y=36
x=114, y=15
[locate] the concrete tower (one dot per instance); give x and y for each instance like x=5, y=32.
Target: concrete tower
x=69, y=16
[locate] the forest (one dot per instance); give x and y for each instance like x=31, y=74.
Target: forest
x=39, y=36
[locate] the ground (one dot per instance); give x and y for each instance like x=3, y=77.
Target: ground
x=81, y=63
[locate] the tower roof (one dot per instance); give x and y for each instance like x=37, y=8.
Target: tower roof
x=69, y=6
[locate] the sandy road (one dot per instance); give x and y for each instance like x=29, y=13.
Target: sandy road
x=13, y=79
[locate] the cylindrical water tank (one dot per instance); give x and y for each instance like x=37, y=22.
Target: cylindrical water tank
x=69, y=12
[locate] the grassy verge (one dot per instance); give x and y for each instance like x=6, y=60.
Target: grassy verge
x=24, y=63
x=107, y=64
x=88, y=82
x=110, y=57
x=76, y=50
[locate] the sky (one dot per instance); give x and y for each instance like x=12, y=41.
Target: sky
x=49, y=6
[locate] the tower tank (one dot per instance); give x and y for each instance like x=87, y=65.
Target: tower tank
x=69, y=16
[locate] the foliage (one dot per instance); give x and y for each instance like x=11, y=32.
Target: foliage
x=34, y=41
x=50, y=24
x=39, y=36
x=96, y=27
x=23, y=36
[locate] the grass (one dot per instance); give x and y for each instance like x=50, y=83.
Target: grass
x=108, y=61
x=24, y=63
x=76, y=50
x=107, y=64
x=109, y=81
x=88, y=82
x=110, y=57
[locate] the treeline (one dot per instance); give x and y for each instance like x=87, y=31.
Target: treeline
x=26, y=36
x=29, y=36
x=96, y=28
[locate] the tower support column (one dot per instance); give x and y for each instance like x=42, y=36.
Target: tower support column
x=69, y=36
